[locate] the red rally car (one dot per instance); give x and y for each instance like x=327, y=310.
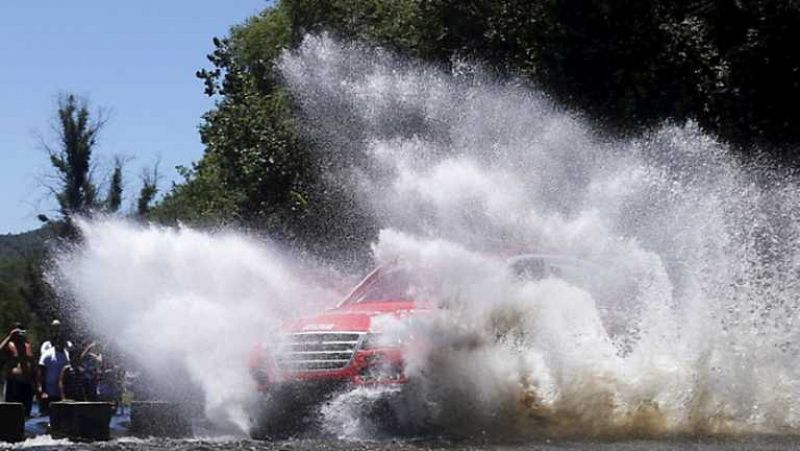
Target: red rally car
x=347, y=346
x=342, y=347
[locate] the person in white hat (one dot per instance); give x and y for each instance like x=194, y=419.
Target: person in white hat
x=56, y=333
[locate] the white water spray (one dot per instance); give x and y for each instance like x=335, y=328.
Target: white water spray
x=188, y=306
x=686, y=325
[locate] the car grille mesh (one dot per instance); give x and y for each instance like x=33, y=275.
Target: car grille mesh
x=317, y=351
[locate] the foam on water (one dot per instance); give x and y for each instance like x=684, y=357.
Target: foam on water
x=38, y=442
x=685, y=324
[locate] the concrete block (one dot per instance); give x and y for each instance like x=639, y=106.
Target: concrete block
x=160, y=419
x=12, y=422
x=81, y=420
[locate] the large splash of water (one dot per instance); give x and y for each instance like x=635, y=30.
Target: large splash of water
x=687, y=324
x=188, y=307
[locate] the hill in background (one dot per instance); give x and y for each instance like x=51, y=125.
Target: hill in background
x=20, y=255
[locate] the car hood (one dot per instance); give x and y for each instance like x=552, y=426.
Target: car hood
x=361, y=317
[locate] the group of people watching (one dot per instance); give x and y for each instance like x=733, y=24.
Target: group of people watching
x=61, y=372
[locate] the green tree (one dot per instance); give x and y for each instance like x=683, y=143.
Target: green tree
x=20, y=256
x=258, y=170
x=148, y=191
x=732, y=66
x=114, y=199
x=202, y=199
x=76, y=193
x=626, y=65
x=77, y=137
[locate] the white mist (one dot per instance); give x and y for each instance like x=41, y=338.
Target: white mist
x=687, y=325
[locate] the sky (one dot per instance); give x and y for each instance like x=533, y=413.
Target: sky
x=134, y=59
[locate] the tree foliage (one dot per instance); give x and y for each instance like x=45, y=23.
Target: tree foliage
x=730, y=65
x=258, y=171
x=77, y=193
x=114, y=198
x=18, y=256
x=77, y=135
x=148, y=191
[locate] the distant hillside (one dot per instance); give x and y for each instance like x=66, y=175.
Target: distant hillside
x=18, y=254
x=22, y=245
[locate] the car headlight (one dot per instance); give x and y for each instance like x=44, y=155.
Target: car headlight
x=372, y=341
x=379, y=368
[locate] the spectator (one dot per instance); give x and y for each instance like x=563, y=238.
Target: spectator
x=19, y=367
x=112, y=379
x=3, y=344
x=89, y=367
x=70, y=385
x=56, y=333
x=51, y=364
x=3, y=359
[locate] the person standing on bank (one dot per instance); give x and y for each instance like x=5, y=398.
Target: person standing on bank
x=19, y=368
x=89, y=366
x=4, y=359
x=51, y=364
x=3, y=345
x=56, y=333
x=71, y=385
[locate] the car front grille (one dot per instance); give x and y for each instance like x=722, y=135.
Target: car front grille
x=317, y=351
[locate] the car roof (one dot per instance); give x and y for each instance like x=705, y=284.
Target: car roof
x=379, y=271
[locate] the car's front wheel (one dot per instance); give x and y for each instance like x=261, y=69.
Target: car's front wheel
x=280, y=416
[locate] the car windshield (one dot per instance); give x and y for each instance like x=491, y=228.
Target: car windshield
x=530, y=268
x=393, y=284
x=535, y=269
